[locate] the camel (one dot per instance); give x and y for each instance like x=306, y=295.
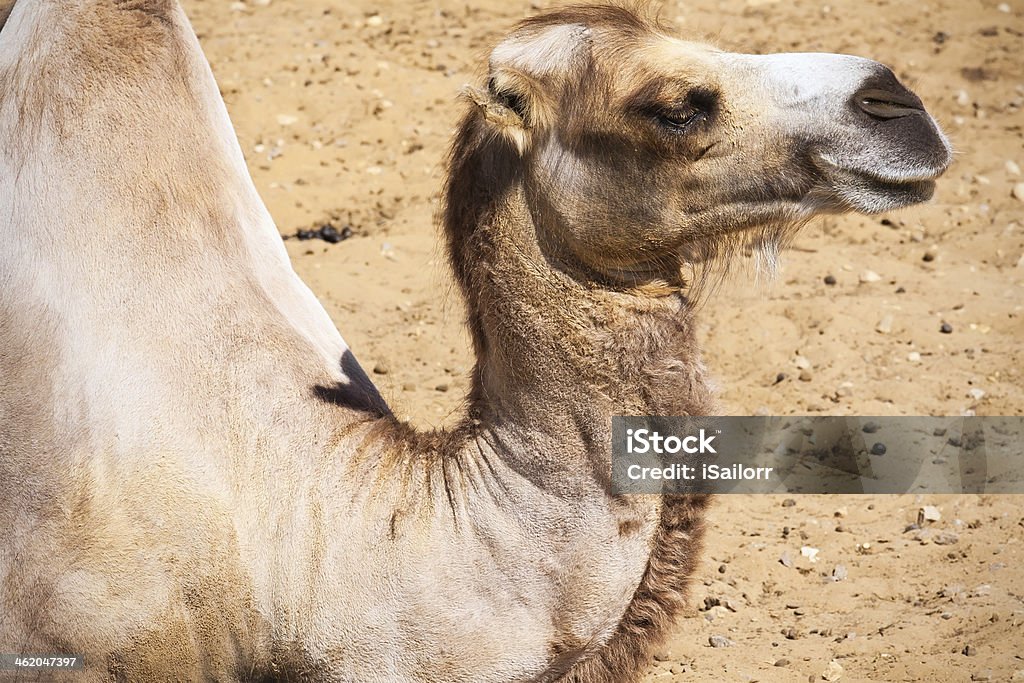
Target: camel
x=200, y=483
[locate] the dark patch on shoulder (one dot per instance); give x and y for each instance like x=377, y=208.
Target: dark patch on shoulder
x=628, y=527
x=359, y=394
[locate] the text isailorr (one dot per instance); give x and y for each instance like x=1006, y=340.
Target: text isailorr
x=679, y=472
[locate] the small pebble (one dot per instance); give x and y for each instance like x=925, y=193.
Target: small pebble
x=1018, y=191
x=833, y=672
x=839, y=573
x=719, y=641
x=785, y=560
x=441, y=387
x=1012, y=168
x=928, y=513
x=790, y=633
x=661, y=656
x=782, y=662
x=884, y=325
x=805, y=376
x=878, y=449
x=830, y=279
x=928, y=257
x=380, y=369
x=939, y=431
x=946, y=328
x=870, y=427
x=722, y=569
x=969, y=650
x=788, y=503
x=914, y=357
x=872, y=276
x=946, y=538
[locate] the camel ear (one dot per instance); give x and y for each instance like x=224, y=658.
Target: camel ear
x=512, y=104
x=524, y=71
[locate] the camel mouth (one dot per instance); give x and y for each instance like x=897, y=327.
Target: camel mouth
x=873, y=191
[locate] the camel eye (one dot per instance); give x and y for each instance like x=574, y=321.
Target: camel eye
x=679, y=119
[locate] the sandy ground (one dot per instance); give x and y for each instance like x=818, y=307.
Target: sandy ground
x=344, y=110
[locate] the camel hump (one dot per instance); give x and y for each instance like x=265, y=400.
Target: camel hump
x=89, y=69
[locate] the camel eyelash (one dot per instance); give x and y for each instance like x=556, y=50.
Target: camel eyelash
x=679, y=120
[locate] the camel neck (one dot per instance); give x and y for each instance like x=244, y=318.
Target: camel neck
x=557, y=354
x=562, y=357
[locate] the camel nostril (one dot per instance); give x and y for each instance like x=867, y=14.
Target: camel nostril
x=883, y=104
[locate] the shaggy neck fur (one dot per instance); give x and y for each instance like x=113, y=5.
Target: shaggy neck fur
x=564, y=354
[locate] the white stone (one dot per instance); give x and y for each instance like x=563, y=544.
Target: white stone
x=810, y=553
x=872, y=276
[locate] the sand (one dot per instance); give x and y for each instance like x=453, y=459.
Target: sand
x=344, y=111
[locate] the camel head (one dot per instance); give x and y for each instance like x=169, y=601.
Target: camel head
x=639, y=152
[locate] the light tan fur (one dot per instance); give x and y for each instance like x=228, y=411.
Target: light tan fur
x=200, y=481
